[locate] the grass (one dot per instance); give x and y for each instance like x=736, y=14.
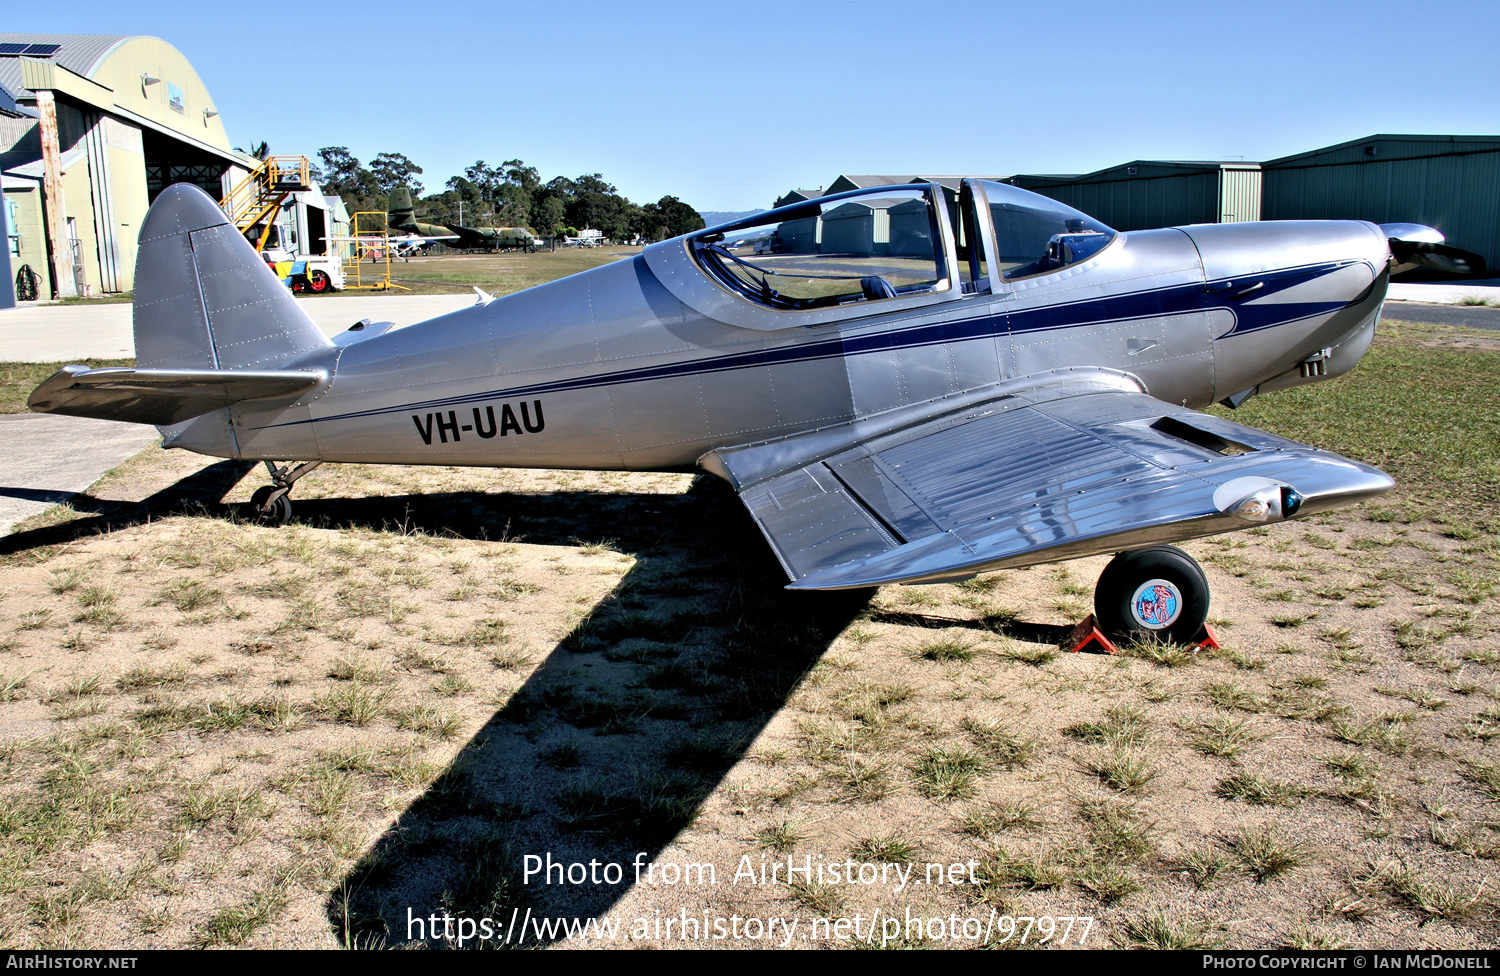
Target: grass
x=352, y=703
x=426, y=607
x=984, y=822
x=1003, y=871
x=1116, y=828
x=945, y=650
x=235, y=924
x=1123, y=767
x=498, y=274
x=1004, y=746
x=1224, y=736
x=1204, y=865
x=1395, y=876
x=1388, y=733
x=1160, y=931
x=1268, y=851
x=1416, y=410
x=949, y=773
x=780, y=837
x=885, y=849
x=17, y=380
x=1107, y=882
x=1260, y=790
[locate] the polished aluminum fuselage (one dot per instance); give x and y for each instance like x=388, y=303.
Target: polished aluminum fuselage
x=648, y=364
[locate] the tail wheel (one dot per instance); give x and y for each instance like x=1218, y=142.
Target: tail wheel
x=318, y=281
x=1156, y=594
x=271, y=512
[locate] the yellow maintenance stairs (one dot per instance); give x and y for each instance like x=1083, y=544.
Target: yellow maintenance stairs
x=255, y=200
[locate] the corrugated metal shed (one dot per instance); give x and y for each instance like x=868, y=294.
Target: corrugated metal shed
x=1157, y=193
x=1448, y=182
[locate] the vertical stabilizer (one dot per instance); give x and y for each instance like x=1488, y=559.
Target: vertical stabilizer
x=204, y=299
x=402, y=215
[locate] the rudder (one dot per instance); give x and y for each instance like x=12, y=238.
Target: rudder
x=204, y=299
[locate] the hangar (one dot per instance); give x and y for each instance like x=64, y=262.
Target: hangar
x=1143, y=194
x=100, y=125
x=1448, y=182
x=1444, y=181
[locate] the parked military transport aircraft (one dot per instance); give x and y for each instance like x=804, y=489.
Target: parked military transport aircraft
x=902, y=389
x=402, y=217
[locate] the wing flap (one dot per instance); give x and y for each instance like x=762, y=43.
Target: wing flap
x=163, y=396
x=811, y=524
x=1031, y=478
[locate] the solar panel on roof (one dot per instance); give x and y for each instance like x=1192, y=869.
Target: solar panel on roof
x=12, y=49
x=42, y=50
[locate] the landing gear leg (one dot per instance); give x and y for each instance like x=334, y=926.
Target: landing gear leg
x=1155, y=594
x=272, y=504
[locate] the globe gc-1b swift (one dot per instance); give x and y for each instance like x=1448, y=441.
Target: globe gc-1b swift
x=907, y=384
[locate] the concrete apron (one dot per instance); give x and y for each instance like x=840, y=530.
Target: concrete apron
x=49, y=459
x=69, y=333
x=1445, y=292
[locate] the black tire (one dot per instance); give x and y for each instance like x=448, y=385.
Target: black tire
x=318, y=282
x=277, y=512
x=1173, y=610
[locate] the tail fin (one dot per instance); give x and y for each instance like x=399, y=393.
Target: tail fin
x=205, y=300
x=402, y=212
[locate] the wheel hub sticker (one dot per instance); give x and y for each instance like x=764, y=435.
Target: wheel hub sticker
x=1156, y=604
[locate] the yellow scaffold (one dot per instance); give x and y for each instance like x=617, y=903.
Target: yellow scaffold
x=369, y=239
x=256, y=198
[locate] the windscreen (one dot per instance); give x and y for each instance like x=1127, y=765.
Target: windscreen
x=873, y=246
x=1036, y=234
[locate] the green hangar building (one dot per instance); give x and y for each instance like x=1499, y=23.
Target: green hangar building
x=92, y=128
x=1448, y=182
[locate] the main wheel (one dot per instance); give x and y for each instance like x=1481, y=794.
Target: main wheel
x=277, y=512
x=1152, y=594
x=318, y=281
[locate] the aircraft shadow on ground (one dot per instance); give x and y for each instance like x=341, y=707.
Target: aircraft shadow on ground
x=610, y=748
x=201, y=491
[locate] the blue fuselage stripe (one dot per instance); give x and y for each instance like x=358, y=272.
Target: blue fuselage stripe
x=1174, y=300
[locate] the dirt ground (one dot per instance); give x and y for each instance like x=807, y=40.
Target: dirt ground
x=214, y=732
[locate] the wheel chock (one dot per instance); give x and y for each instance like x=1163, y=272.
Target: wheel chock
x=1086, y=633
x=1210, y=640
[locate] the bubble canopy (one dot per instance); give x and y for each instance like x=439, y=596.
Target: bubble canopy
x=850, y=248
x=886, y=242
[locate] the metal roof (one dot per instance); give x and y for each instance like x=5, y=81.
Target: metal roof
x=8, y=106
x=80, y=53
x=860, y=182
x=1388, y=147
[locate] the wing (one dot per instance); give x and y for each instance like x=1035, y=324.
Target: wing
x=163, y=396
x=1077, y=467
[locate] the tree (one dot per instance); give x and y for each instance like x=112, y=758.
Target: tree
x=519, y=174
x=392, y=170
x=593, y=183
x=341, y=173
x=547, y=216
x=260, y=150
x=486, y=179
x=669, y=217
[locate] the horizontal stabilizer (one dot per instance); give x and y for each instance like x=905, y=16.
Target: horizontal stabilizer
x=164, y=396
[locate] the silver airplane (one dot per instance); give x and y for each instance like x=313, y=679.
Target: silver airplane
x=902, y=388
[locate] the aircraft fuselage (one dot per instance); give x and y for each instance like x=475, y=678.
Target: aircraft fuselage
x=612, y=369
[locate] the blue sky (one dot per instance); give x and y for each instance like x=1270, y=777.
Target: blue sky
x=727, y=105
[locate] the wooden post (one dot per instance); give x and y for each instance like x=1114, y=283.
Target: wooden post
x=54, y=207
